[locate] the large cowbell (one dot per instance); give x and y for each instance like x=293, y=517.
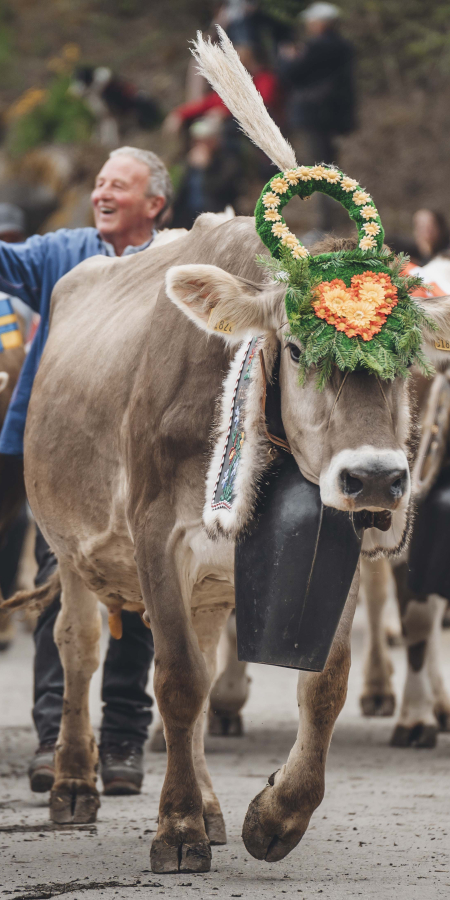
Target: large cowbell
x=293, y=572
x=294, y=566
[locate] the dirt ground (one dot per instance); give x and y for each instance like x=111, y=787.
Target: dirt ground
x=381, y=832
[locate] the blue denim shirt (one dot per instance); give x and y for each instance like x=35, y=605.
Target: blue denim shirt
x=30, y=271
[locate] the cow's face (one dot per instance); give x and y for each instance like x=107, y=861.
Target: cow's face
x=350, y=438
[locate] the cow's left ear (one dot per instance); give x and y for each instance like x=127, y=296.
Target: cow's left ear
x=436, y=344
x=224, y=304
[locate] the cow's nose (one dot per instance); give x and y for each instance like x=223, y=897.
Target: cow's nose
x=382, y=488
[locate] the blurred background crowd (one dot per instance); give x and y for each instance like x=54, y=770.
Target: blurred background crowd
x=363, y=84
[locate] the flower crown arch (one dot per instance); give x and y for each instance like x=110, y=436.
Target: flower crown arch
x=349, y=308
x=303, y=182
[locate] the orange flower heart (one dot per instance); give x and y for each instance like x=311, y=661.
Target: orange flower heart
x=358, y=310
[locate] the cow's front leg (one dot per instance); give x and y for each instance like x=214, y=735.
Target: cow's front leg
x=377, y=698
x=278, y=817
x=181, y=685
x=74, y=796
x=211, y=602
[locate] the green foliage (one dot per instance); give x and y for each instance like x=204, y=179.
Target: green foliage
x=388, y=354
x=60, y=117
x=304, y=189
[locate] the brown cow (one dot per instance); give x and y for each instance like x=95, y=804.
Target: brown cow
x=116, y=444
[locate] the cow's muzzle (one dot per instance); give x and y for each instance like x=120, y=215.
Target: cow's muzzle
x=374, y=488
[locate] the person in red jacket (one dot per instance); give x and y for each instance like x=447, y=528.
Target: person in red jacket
x=264, y=79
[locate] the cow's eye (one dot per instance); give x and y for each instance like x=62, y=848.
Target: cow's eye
x=294, y=352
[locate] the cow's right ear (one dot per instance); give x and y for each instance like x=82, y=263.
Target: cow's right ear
x=224, y=304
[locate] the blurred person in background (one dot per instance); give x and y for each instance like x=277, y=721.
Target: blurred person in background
x=264, y=79
x=213, y=174
x=114, y=102
x=132, y=193
x=246, y=23
x=320, y=76
x=12, y=230
x=431, y=234
x=232, y=148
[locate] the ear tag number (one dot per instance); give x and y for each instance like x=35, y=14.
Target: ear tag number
x=442, y=345
x=223, y=325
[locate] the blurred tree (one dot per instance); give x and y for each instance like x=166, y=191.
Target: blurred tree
x=400, y=43
x=55, y=116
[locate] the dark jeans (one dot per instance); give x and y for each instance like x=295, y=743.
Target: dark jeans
x=127, y=707
x=10, y=552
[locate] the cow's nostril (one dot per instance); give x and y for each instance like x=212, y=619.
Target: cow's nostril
x=352, y=485
x=398, y=485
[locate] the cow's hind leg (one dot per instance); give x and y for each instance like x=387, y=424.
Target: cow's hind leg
x=230, y=692
x=424, y=697
x=377, y=698
x=434, y=665
x=278, y=817
x=74, y=796
x=181, y=685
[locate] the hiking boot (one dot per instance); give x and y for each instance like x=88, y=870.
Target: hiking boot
x=122, y=767
x=41, y=770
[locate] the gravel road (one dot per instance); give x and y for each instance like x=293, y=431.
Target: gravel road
x=381, y=832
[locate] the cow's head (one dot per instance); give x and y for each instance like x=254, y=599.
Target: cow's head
x=351, y=437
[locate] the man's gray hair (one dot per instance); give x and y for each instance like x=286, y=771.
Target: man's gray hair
x=159, y=183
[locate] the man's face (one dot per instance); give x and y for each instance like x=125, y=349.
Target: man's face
x=119, y=198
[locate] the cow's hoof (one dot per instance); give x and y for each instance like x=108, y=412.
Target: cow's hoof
x=186, y=857
x=377, y=704
x=420, y=736
x=157, y=741
x=73, y=803
x=225, y=725
x=442, y=714
x=215, y=828
x=394, y=638
x=268, y=832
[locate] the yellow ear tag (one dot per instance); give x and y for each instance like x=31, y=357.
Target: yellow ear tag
x=442, y=345
x=223, y=325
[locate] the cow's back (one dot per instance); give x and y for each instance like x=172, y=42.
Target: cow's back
x=124, y=395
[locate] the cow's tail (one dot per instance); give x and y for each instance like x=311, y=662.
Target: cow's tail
x=39, y=598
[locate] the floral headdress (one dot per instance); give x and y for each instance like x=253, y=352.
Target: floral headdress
x=350, y=308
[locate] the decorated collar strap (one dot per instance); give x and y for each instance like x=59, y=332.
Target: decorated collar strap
x=347, y=308
x=304, y=181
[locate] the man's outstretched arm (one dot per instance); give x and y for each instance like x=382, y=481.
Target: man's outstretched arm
x=21, y=267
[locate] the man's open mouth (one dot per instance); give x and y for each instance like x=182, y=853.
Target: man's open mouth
x=106, y=210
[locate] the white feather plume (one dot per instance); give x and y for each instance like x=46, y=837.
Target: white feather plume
x=221, y=66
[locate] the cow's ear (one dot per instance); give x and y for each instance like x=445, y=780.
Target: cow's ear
x=224, y=304
x=436, y=344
